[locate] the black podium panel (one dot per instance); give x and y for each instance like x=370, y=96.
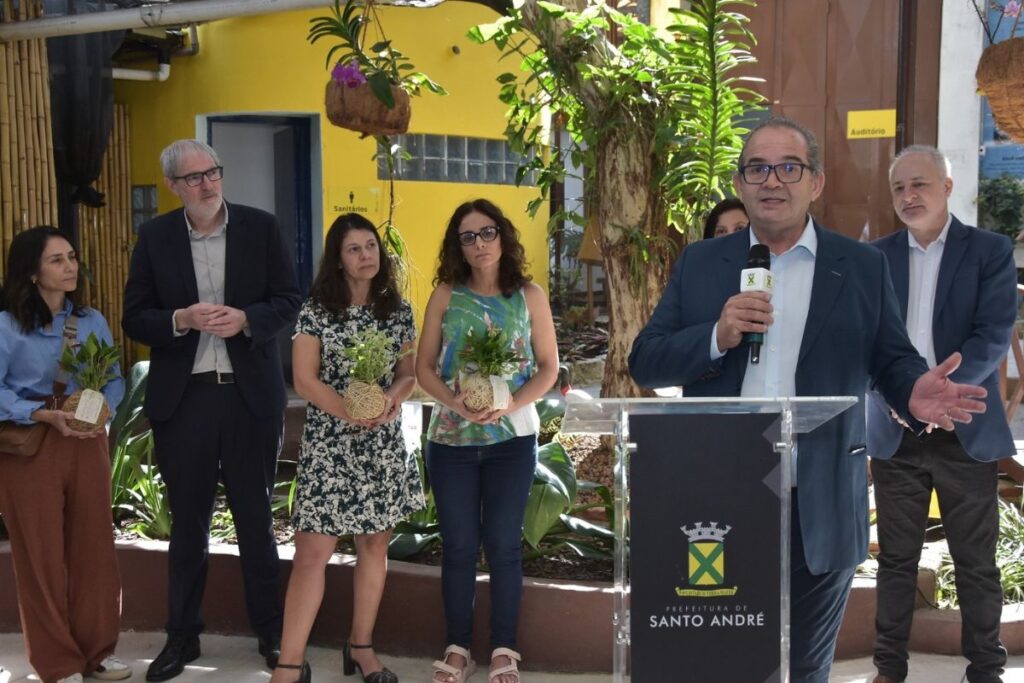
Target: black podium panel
x=704, y=548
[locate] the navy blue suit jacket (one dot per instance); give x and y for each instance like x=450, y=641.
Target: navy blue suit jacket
x=853, y=335
x=259, y=278
x=975, y=309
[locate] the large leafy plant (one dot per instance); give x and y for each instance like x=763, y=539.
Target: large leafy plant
x=655, y=118
x=680, y=84
x=138, y=490
x=553, y=520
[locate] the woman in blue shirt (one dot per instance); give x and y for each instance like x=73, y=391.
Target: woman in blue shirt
x=56, y=503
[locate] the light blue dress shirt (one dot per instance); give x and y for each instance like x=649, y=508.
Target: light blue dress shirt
x=28, y=363
x=793, y=278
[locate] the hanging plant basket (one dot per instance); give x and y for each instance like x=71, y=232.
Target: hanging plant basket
x=999, y=77
x=360, y=110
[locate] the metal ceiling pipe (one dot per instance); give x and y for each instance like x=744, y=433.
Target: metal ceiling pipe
x=168, y=14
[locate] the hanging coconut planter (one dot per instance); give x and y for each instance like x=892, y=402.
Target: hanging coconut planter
x=999, y=77
x=370, y=83
x=358, y=108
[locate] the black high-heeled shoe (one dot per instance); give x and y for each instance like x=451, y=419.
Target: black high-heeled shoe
x=305, y=673
x=350, y=665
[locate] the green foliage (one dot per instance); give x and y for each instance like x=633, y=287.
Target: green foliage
x=712, y=42
x=381, y=64
x=552, y=493
x=137, y=488
x=149, y=500
x=490, y=353
x=1009, y=559
x=389, y=153
x=93, y=363
x=1001, y=202
x=419, y=531
x=552, y=521
x=609, y=77
x=371, y=356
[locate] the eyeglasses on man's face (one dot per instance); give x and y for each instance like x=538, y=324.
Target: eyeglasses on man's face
x=488, y=233
x=194, y=179
x=786, y=172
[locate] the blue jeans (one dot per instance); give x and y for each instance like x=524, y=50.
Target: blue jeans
x=481, y=494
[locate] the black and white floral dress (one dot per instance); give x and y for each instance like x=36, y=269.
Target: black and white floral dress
x=353, y=479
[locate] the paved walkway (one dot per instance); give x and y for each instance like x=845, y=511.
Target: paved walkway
x=235, y=659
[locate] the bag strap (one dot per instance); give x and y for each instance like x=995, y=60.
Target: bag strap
x=70, y=339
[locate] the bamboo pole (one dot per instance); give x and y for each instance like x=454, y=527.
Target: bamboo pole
x=31, y=175
x=28, y=191
x=37, y=81
x=21, y=192
x=6, y=184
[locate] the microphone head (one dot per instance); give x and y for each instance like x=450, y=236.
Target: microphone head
x=759, y=257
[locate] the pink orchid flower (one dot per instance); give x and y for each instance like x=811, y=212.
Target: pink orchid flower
x=348, y=74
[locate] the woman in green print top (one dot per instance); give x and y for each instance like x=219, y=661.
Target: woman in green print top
x=481, y=464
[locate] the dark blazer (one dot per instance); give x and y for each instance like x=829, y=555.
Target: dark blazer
x=259, y=279
x=975, y=310
x=853, y=334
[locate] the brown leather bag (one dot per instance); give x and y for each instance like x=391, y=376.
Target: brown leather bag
x=25, y=440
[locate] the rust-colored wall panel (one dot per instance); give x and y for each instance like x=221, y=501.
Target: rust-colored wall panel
x=823, y=58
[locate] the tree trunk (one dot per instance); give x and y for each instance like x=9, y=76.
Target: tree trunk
x=625, y=205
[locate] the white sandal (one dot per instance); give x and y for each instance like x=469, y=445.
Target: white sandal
x=512, y=668
x=459, y=675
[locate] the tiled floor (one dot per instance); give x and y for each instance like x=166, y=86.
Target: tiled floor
x=235, y=659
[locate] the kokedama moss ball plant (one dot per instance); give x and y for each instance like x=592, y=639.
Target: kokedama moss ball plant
x=91, y=364
x=487, y=356
x=372, y=357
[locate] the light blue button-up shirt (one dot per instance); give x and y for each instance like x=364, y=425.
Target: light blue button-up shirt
x=28, y=363
x=793, y=278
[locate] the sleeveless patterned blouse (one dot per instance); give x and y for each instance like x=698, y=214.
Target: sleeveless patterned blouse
x=470, y=311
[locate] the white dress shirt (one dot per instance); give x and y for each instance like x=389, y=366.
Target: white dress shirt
x=924, y=275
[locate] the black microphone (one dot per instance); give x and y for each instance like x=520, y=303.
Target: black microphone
x=756, y=277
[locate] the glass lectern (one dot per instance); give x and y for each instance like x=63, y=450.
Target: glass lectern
x=702, y=511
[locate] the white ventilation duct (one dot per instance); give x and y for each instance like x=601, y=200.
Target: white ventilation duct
x=160, y=74
x=168, y=14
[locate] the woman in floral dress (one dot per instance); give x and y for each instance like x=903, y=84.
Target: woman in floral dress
x=355, y=476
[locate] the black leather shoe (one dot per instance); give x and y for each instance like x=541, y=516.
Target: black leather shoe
x=178, y=651
x=270, y=647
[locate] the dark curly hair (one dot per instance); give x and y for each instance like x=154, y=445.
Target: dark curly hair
x=330, y=288
x=21, y=295
x=727, y=204
x=453, y=269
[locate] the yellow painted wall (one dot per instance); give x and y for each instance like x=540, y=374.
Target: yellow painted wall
x=265, y=65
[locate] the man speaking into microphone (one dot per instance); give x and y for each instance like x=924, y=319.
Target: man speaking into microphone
x=832, y=327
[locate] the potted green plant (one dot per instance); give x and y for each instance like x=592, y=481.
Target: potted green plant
x=371, y=357
x=369, y=87
x=91, y=364
x=1000, y=66
x=487, y=358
